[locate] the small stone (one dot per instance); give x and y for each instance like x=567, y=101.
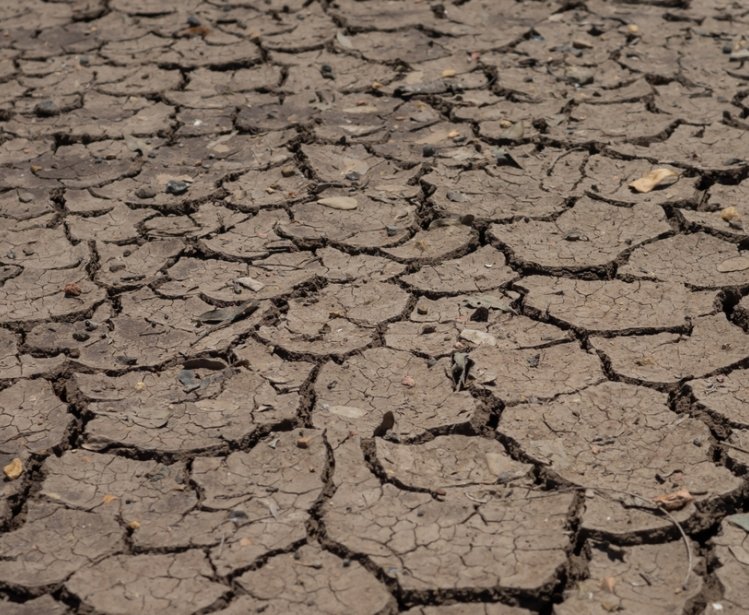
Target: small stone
x=428, y=151
x=303, y=441
x=80, y=336
x=193, y=21
x=353, y=176
x=14, y=469
x=46, y=108
x=391, y=231
x=145, y=192
x=727, y=48
x=134, y=525
x=72, y=290
x=729, y=213
x=422, y=309
x=115, y=267
x=25, y=197
x=84, y=61
x=90, y=325
x=326, y=70
x=288, y=170
x=176, y=187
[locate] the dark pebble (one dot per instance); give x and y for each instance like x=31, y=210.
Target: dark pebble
x=346, y=562
x=84, y=60
x=727, y=48
x=392, y=231
x=90, y=325
x=115, y=267
x=326, y=70
x=127, y=360
x=428, y=151
x=193, y=21
x=46, y=108
x=176, y=187
x=146, y=192
x=80, y=336
x=353, y=176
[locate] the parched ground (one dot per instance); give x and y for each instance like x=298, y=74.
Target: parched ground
x=349, y=307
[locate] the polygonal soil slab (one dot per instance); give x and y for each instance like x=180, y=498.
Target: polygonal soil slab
x=208, y=218
x=449, y=462
x=36, y=295
x=440, y=327
x=610, y=179
x=336, y=320
x=173, y=584
x=150, y=330
x=591, y=234
x=194, y=408
x=481, y=270
x=715, y=148
x=273, y=187
x=732, y=552
x=614, y=305
x=366, y=226
x=55, y=542
x=145, y=492
x=251, y=238
x=408, y=46
x=341, y=267
x=223, y=281
x=436, y=243
x=40, y=248
x=583, y=438
x=725, y=396
x=255, y=502
x=512, y=538
x=308, y=582
x=612, y=123
x=697, y=259
x=470, y=608
x=356, y=395
x=44, y=604
x=15, y=364
x=666, y=358
x=495, y=193
x=135, y=265
x=712, y=215
x=517, y=375
x=643, y=579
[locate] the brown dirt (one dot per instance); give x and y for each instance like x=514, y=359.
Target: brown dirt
x=348, y=307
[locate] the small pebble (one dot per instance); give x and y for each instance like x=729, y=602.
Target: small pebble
x=80, y=336
x=25, y=197
x=90, y=325
x=428, y=151
x=288, y=170
x=326, y=70
x=176, y=187
x=145, y=192
x=115, y=267
x=84, y=61
x=46, y=108
x=727, y=48
x=353, y=176
x=392, y=231
x=193, y=21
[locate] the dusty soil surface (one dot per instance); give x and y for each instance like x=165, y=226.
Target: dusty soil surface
x=350, y=307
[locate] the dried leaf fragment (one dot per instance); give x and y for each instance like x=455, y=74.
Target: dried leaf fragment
x=675, y=500
x=134, y=524
x=607, y=584
x=14, y=469
x=108, y=498
x=338, y=202
x=729, y=213
x=657, y=178
x=737, y=263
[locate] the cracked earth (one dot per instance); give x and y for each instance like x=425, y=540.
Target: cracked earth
x=349, y=307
